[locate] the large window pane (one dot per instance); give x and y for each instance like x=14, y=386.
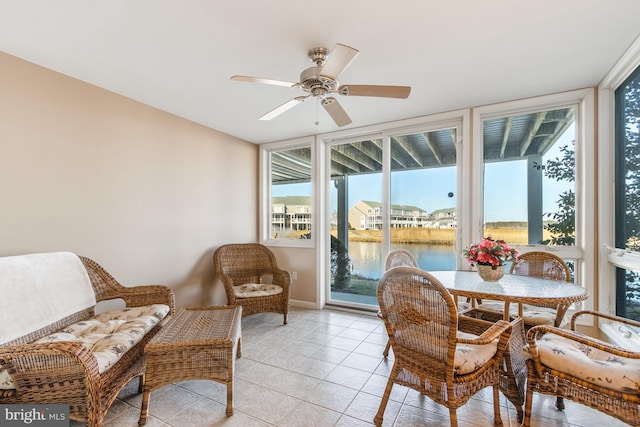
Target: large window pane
x=291, y=193
x=529, y=178
x=423, y=196
x=628, y=191
x=356, y=220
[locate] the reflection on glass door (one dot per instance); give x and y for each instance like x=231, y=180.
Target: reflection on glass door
x=420, y=214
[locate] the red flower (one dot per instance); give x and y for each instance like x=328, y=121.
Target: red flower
x=490, y=252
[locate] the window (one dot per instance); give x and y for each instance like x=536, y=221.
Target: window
x=627, y=193
x=529, y=178
x=289, y=194
x=533, y=184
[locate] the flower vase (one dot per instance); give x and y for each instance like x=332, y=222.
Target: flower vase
x=490, y=274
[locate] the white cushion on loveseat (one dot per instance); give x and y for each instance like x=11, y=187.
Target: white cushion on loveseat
x=41, y=289
x=108, y=335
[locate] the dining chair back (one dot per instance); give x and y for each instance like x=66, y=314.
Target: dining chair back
x=400, y=258
x=545, y=266
x=397, y=258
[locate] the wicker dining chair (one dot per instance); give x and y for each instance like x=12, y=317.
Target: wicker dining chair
x=545, y=266
x=397, y=258
x=440, y=355
x=252, y=278
x=585, y=370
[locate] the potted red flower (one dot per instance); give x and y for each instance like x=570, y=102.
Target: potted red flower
x=490, y=255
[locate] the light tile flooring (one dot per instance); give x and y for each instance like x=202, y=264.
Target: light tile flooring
x=325, y=368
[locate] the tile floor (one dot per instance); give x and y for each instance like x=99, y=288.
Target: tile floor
x=325, y=368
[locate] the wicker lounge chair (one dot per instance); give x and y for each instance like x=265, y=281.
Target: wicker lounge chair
x=570, y=365
x=443, y=356
x=245, y=269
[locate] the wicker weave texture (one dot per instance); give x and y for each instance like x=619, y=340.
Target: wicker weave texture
x=544, y=380
x=423, y=319
x=198, y=343
x=66, y=372
x=240, y=263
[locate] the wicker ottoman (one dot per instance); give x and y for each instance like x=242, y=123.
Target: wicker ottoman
x=197, y=343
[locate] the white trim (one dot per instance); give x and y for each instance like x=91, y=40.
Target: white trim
x=606, y=202
x=623, y=68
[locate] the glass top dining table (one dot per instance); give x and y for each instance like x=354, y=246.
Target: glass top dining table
x=511, y=288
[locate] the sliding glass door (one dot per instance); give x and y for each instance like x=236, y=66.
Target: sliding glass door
x=390, y=191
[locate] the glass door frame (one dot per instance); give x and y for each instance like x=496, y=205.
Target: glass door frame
x=455, y=119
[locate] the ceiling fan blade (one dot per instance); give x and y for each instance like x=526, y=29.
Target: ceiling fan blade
x=284, y=107
x=373, y=90
x=336, y=111
x=339, y=59
x=263, y=81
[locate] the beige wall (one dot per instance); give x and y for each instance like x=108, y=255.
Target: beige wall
x=303, y=262
x=146, y=194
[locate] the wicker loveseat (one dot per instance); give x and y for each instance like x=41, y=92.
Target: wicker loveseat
x=54, y=349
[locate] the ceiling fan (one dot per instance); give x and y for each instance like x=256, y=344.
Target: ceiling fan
x=322, y=79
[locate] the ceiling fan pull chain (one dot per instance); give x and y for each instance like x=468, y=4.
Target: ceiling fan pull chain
x=317, y=102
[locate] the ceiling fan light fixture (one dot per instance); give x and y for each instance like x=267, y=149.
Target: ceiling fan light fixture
x=322, y=79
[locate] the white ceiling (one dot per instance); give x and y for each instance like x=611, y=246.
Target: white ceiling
x=178, y=56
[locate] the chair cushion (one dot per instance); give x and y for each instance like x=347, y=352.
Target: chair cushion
x=590, y=364
x=532, y=315
x=108, y=335
x=249, y=290
x=470, y=357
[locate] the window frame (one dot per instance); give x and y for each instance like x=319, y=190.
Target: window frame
x=610, y=256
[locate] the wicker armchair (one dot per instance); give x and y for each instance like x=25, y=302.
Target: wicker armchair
x=443, y=356
x=585, y=370
x=543, y=265
x=244, y=268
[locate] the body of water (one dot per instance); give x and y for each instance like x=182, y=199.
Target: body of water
x=368, y=260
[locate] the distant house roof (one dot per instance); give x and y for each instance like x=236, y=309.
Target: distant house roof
x=445, y=210
x=396, y=207
x=292, y=200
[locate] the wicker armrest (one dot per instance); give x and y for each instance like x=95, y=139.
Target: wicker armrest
x=282, y=278
x=137, y=296
x=106, y=287
x=599, y=314
x=54, y=364
x=500, y=329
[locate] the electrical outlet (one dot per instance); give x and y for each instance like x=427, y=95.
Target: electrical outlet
x=294, y=275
